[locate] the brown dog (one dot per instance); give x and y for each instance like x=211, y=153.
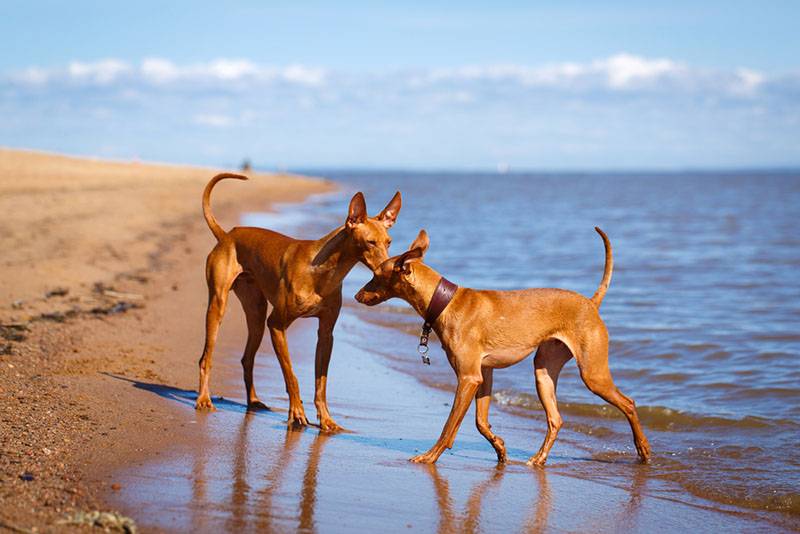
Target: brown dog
x=482, y=330
x=299, y=278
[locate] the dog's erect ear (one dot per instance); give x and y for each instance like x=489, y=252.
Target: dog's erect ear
x=421, y=242
x=401, y=264
x=389, y=214
x=415, y=252
x=357, y=213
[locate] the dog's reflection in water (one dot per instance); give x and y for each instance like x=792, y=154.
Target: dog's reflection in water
x=250, y=502
x=469, y=520
x=539, y=501
x=262, y=491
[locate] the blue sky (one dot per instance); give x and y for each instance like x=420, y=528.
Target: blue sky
x=537, y=85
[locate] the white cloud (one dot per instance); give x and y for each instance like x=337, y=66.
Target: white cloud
x=624, y=70
x=618, y=72
x=213, y=120
x=163, y=72
x=621, y=72
x=157, y=70
x=303, y=75
x=100, y=73
x=228, y=69
x=31, y=76
x=747, y=81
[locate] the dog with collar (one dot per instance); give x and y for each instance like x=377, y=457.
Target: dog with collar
x=482, y=330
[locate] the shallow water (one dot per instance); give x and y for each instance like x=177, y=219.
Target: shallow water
x=703, y=309
x=239, y=471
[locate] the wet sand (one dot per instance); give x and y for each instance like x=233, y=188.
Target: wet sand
x=246, y=472
x=110, y=396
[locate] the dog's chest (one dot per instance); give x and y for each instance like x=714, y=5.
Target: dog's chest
x=505, y=357
x=306, y=304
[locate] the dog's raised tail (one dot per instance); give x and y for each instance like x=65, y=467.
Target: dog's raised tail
x=597, y=298
x=216, y=229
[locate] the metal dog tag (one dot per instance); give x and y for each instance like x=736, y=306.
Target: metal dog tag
x=423, y=344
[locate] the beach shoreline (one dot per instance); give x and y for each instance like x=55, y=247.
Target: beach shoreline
x=102, y=281
x=246, y=472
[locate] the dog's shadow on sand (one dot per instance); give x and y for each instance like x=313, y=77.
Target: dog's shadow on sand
x=187, y=397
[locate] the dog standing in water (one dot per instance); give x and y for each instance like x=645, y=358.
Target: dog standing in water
x=299, y=278
x=481, y=330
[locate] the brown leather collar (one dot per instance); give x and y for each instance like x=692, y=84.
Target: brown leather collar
x=442, y=296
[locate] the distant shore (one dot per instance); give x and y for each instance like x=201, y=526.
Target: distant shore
x=102, y=274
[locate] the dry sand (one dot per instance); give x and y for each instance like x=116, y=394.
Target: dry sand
x=97, y=384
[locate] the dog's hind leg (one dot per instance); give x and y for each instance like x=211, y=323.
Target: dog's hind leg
x=595, y=373
x=548, y=362
x=482, y=400
x=222, y=268
x=255, y=309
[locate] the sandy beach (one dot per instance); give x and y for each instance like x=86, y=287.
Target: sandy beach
x=103, y=299
x=102, y=274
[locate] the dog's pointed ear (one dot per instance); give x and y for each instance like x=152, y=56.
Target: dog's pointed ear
x=421, y=242
x=389, y=214
x=401, y=264
x=415, y=252
x=357, y=213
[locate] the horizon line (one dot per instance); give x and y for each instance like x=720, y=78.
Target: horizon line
x=652, y=171
x=301, y=169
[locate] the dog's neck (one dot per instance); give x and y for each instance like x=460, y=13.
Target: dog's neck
x=420, y=288
x=336, y=254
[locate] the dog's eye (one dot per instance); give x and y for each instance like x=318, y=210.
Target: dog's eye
x=389, y=243
x=372, y=242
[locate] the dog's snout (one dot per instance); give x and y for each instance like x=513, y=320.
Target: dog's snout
x=367, y=297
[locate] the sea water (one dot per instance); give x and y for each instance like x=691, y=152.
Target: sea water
x=703, y=310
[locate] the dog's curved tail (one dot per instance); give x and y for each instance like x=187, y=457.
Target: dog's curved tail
x=597, y=298
x=216, y=229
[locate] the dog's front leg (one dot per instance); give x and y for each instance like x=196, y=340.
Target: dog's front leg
x=327, y=320
x=465, y=392
x=277, y=332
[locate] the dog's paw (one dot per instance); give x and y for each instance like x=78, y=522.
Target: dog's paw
x=329, y=425
x=257, y=406
x=502, y=457
x=643, y=449
x=537, y=460
x=427, y=458
x=204, y=403
x=297, y=417
x=500, y=448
